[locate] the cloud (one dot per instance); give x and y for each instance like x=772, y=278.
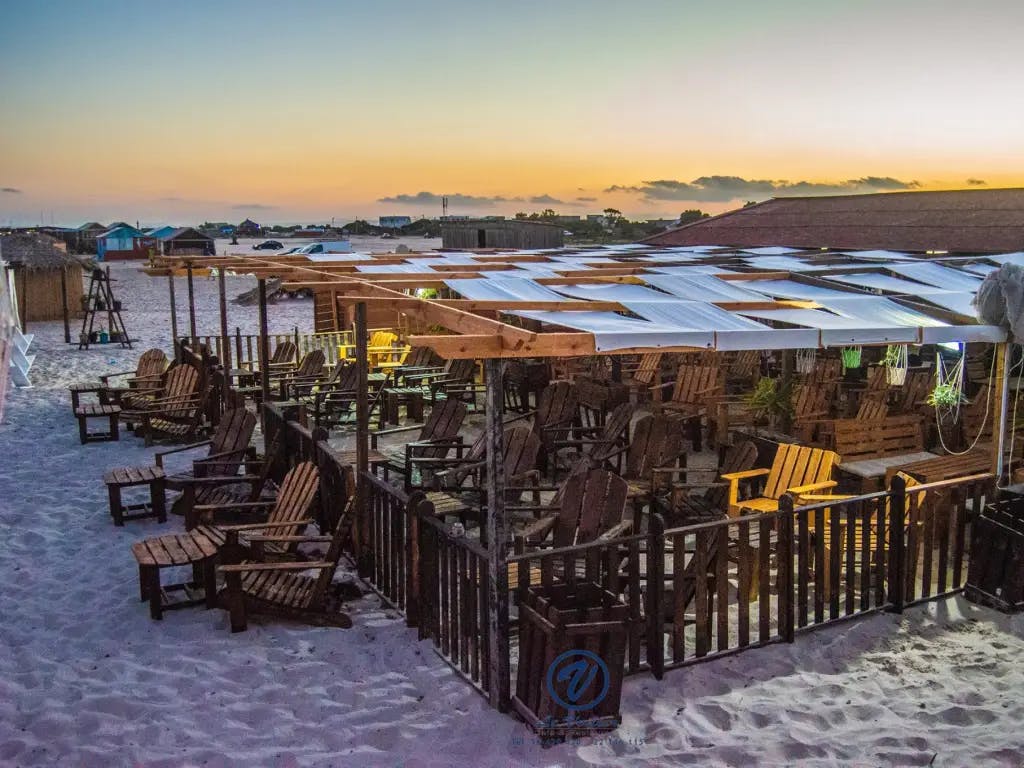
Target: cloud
x=586, y=199
x=10, y=190
x=721, y=189
x=253, y=207
x=976, y=182
x=547, y=200
x=456, y=198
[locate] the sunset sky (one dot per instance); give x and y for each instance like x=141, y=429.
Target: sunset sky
x=302, y=111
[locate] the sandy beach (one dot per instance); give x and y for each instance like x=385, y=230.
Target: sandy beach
x=87, y=679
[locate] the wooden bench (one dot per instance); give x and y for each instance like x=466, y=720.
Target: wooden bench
x=871, y=448
x=110, y=412
x=128, y=477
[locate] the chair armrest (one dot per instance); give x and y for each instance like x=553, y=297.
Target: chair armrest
x=245, y=567
x=537, y=530
x=800, y=489
x=291, y=539
x=158, y=457
x=262, y=526
x=815, y=498
x=237, y=505
x=745, y=474
x=220, y=479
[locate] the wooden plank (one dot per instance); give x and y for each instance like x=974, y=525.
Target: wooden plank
x=764, y=587
x=722, y=587
x=498, y=537
x=743, y=581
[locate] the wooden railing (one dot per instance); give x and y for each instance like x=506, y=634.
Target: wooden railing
x=449, y=596
x=387, y=532
x=244, y=349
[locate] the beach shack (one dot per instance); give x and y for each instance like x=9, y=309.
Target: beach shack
x=123, y=242
x=85, y=237
x=46, y=278
x=185, y=241
x=489, y=233
x=248, y=228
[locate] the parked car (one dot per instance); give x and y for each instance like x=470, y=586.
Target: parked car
x=268, y=245
x=327, y=246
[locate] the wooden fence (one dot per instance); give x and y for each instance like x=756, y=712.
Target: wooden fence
x=692, y=593
x=245, y=348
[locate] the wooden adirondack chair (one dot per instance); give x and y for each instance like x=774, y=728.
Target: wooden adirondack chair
x=601, y=443
x=695, y=393
x=796, y=469
x=689, y=508
x=311, y=367
x=438, y=436
x=177, y=412
x=810, y=407
x=652, y=455
x=415, y=359
x=280, y=589
x=284, y=356
x=460, y=490
x=744, y=370
x=556, y=412
x=591, y=507
x=642, y=378
x=142, y=383
x=826, y=372
x=288, y=514
x=227, y=448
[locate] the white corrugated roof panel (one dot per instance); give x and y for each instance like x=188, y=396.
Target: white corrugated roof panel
x=498, y=289
x=698, y=287
x=876, y=282
x=791, y=289
x=614, y=292
x=938, y=276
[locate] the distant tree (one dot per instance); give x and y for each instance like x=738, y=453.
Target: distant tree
x=548, y=213
x=749, y=203
x=612, y=214
x=522, y=215
x=692, y=215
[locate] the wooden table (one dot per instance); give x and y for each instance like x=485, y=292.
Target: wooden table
x=376, y=458
x=85, y=388
x=194, y=548
x=395, y=396
x=110, y=412
x=128, y=477
x=945, y=467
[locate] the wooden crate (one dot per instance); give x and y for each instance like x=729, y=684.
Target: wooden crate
x=995, y=576
x=561, y=625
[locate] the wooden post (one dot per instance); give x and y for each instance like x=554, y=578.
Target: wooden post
x=264, y=342
x=497, y=536
x=784, y=571
x=655, y=595
x=298, y=352
x=897, y=543
x=191, y=305
x=174, y=306
x=362, y=441
x=999, y=410
x=225, y=340
x=64, y=304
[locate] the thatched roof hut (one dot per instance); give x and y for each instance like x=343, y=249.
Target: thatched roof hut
x=37, y=264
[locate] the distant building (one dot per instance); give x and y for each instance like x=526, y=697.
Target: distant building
x=516, y=233
x=248, y=228
x=566, y=219
x=123, y=242
x=85, y=237
x=394, y=222
x=38, y=262
x=597, y=218
x=962, y=220
x=186, y=241
x=159, y=232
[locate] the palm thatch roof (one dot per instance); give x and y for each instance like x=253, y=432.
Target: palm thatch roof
x=34, y=252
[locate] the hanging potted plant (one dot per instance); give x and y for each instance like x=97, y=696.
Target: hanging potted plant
x=948, y=395
x=770, y=401
x=896, y=364
x=805, y=360
x=851, y=357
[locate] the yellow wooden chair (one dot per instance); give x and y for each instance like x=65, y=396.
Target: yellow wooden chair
x=797, y=469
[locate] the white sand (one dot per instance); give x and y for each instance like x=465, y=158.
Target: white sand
x=87, y=679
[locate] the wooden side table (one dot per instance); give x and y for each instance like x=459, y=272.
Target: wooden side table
x=412, y=397
x=194, y=548
x=85, y=412
x=85, y=388
x=128, y=477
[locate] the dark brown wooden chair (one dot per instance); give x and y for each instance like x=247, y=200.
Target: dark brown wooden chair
x=226, y=448
x=694, y=502
x=603, y=443
x=142, y=383
x=437, y=438
x=177, y=413
x=281, y=589
x=555, y=415
x=695, y=393
x=592, y=506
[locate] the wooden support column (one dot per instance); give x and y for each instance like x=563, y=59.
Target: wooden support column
x=225, y=340
x=64, y=304
x=191, y=306
x=788, y=366
x=174, y=306
x=264, y=342
x=497, y=539
x=362, y=441
x=23, y=303
x=999, y=409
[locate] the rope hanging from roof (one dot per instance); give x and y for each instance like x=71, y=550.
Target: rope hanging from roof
x=805, y=360
x=896, y=364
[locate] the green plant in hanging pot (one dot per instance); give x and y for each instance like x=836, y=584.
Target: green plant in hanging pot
x=770, y=401
x=895, y=363
x=946, y=396
x=851, y=357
